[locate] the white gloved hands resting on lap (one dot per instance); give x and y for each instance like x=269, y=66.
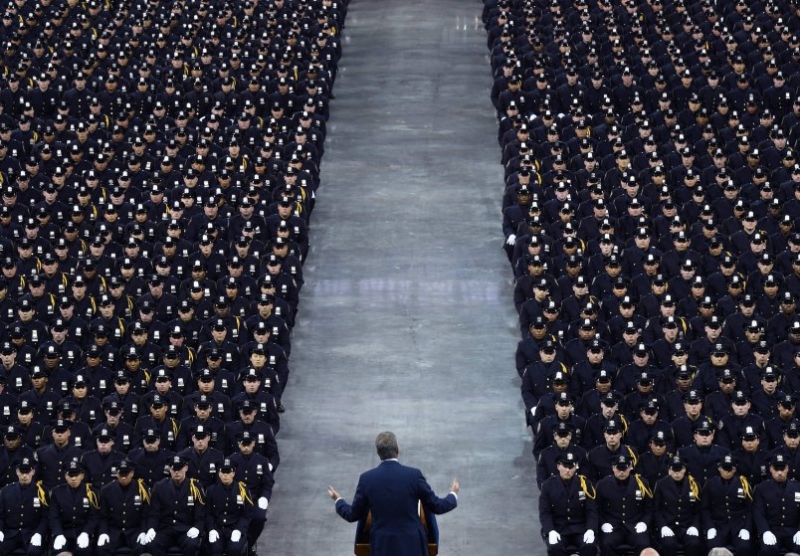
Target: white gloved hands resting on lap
x=553, y=537
x=607, y=528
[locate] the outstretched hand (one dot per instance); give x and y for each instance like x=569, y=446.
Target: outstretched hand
x=333, y=494
x=454, y=486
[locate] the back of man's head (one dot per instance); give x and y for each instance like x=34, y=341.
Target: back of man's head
x=386, y=444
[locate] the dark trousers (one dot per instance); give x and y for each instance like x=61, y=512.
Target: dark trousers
x=22, y=540
x=610, y=542
x=680, y=541
x=728, y=537
x=72, y=546
x=167, y=538
x=256, y=526
x=785, y=543
x=225, y=545
x=571, y=544
x=121, y=539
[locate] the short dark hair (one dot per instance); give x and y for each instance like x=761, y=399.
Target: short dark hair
x=386, y=444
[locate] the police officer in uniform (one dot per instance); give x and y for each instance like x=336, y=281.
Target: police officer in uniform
x=74, y=513
x=676, y=511
x=725, y=508
x=256, y=471
x=150, y=460
x=23, y=513
x=229, y=508
x=624, y=507
x=567, y=510
x=177, y=512
x=123, y=506
x=776, y=510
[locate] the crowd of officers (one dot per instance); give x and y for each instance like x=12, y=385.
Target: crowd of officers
x=158, y=168
x=650, y=212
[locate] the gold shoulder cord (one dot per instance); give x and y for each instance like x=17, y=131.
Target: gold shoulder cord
x=645, y=491
x=587, y=487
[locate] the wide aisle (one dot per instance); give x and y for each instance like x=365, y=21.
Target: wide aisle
x=406, y=320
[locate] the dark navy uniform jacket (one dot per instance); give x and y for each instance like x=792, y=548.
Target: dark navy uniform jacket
x=228, y=507
x=726, y=503
x=624, y=503
x=676, y=504
x=203, y=467
x=176, y=508
x=53, y=463
x=776, y=507
x=568, y=506
x=255, y=473
x=73, y=511
x=123, y=509
x=150, y=466
x=23, y=510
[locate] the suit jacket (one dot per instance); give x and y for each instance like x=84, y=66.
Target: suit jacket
x=391, y=492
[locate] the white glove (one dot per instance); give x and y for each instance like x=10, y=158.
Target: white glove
x=588, y=537
x=193, y=533
x=667, y=532
x=641, y=527
x=744, y=534
x=263, y=503
x=36, y=539
x=769, y=539
x=2, y=536
x=213, y=536
x=693, y=532
x=236, y=535
x=150, y=535
x=607, y=528
x=270, y=467
x=83, y=540
x=796, y=538
x=511, y=240
x=60, y=542
x=553, y=537
x=142, y=539
x=103, y=539
x=711, y=533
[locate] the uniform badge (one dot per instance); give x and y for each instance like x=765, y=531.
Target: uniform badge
x=190, y=501
x=259, y=469
x=581, y=495
x=239, y=499
x=638, y=494
x=740, y=493
x=36, y=502
x=137, y=500
x=86, y=503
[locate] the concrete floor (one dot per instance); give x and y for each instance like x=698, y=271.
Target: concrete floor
x=406, y=319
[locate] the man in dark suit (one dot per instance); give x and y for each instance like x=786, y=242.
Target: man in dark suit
x=391, y=492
